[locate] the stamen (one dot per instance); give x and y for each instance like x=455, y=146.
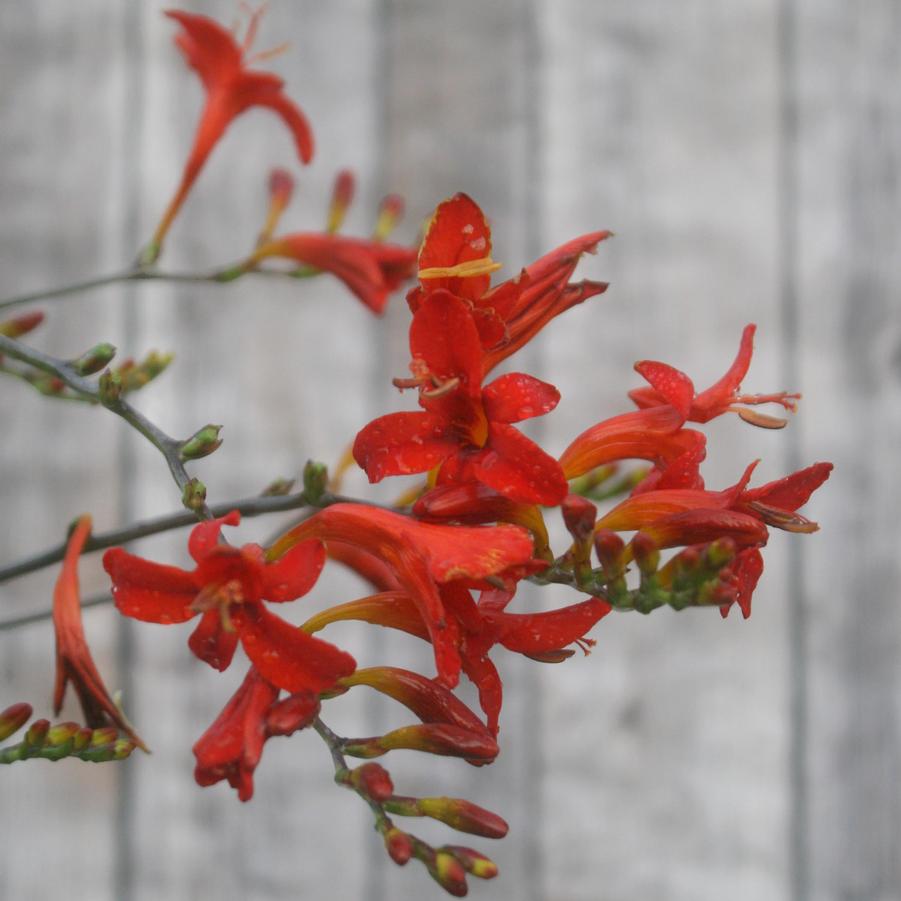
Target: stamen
x=269, y=54
x=442, y=389
x=786, y=520
x=783, y=397
x=470, y=268
x=254, y=23
x=761, y=420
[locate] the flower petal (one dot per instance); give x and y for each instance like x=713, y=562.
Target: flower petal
x=205, y=537
x=287, y=656
x=673, y=385
x=211, y=642
x=519, y=469
x=294, y=574
x=517, y=396
x=150, y=591
x=265, y=89
x=402, y=444
x=535, y=633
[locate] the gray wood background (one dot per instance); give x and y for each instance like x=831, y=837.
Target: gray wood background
x=747, y=156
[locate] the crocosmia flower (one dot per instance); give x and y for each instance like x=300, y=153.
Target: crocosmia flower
x=227, y=590
x=464, y=428
x=231, y=89
x=73, y=657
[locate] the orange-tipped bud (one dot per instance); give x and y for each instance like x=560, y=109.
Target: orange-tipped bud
x=13, y=719
x=464, y=816
x=62, y=733
x=579, y=515
x=473, y=862
x=442, y=739
x=609, y=548
x=449, y=873
x=21, y=325
x=391, y=210
x=36, y=736
x=281, y=189
x=342, y=197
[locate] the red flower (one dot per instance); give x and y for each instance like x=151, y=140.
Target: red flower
x=465, y=428
x=671, y=386
x=227, y=588
x=456, y=256
x=477, y=628
x=421, y=555
x=371, y=269
x=231, y=88
x=653, y=434
x=232, y=746
x=73, y=657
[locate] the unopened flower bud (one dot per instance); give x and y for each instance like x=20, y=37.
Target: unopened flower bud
x=609, y=548
x=442, y=739
x=315, y=481
x=194, y=495
x=342, y=197
x=13, y=719
x=372, y=780
x=278, y=488
x=82, y=738
x=719, y=553
x=106, y=735
x=295, y=712
x=646, y=553
x=62, y=733
x=464, y=816
x=391, y=209
x=579, y=515
x=202, y=443
x=399, y=845
x=95, y=359
x=21, y=325
x=281, y=187
x=449, y=873
x=473, y=862
x=109, y=387
x=36, y=735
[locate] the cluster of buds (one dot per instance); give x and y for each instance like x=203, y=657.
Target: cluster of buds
x=48, y=741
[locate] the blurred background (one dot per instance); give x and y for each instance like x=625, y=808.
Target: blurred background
x=747, y=157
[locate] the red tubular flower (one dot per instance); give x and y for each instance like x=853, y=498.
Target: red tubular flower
x=653, y=434
x=421, y=555
x=671, y=386
x=371, y=269
x=231, y=88
x=456, y=256
x=73, y=657
x=776, y=502
x=227, y=588
x=232, y=746
x=465, y=428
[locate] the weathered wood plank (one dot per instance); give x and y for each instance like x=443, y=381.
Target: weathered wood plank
x=667, y=750
x=848, y=231
x=62, y=120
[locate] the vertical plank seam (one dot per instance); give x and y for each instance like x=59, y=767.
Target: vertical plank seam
x=132, y=122
x=787, y=253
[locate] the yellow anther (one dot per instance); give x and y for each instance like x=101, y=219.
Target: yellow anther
x=470, y=268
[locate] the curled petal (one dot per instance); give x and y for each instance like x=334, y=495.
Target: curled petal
x=792, y=491
x=394, y=609
x=536, y=633
x=294, y=574
x=719, y=396
x=205, y=537
x=671, y=384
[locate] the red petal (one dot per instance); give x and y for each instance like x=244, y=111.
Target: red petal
x=458, y=232
x=208, y=47
x=287, y=656
x=211, y=643
x=535, y=633
x=264, y=89
x=700, y=526
x=793, y=491
x=294, y=574
x=205, y=537
x=673, y=385
x=402, y=444
x=444, y=335
x=484, y=675
x=712, y=402
x=393, y=609
x=516, y=396
x=150, y=591
x=519, y=469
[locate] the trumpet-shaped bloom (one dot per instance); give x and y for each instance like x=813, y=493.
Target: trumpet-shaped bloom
x=227, y=589
x=73, y=657
x=422, y=556
x=232, y=746
x=671, y=386
x=371, y=269
x=465, y=428
x=231, y=89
